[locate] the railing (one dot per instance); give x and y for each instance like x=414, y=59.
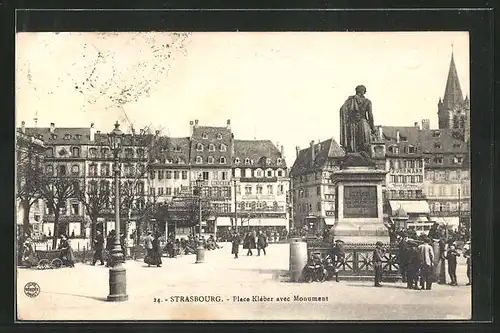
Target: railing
x=450, y=213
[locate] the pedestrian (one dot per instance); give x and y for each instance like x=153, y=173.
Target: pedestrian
x=109, y=246
x=148, y=244
x=467, y=255
x=339, y=257
x=404, y=253
x=377, y=263
x=235, y=245
x=249, y=243
x=155, y=251
x=261, y=243
x=413, y=266
x=426, y=258
x=67, y=256
x=451, y=257
x=98, y=248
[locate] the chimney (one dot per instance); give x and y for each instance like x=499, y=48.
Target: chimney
x=319, y=146
x=380, y=133
x=98, y=132
x=398, y=138
x=157, y=132
x=52, y=127
x=191, y=127
x=141, y=131
x=416, y=125
x=297, y=151
x=228, y=124
x=426, y=124
x=196, y=123
x=92, y=132
x=313, y=155
x=282, y=151
x=23, y=126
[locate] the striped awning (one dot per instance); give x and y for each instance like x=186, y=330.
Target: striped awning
x=410, y=207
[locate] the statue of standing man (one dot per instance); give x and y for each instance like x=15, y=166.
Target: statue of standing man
x=356, y=123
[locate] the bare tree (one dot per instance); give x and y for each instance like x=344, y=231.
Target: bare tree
x=95, y=197
x=29, y=172
x=56, y=191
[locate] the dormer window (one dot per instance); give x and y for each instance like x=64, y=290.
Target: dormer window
x=177, y=149
x=222, y=160
x=223, y=148
x=168, y=161
x=268, y=161
x=458, y=159
x=437, y=145
x=204, y=135
x=199, y=147
x=53, y=136
x=78, y=136
x=436, y=134
x=438, y=160
x=279, y=161
x=180, y=161
x=93, y=152
x=457, y=145
x=199, y=160
x=247, y=161
x=211, y=147
x=394, y=149
x=67, y=137
x=219, y=136
x=237, y=160
x=210, y=160
x=411, y=150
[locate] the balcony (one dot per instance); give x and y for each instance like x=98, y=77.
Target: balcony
x=450, y=213
x=397, y=196
x=259, y=180
x=63, y=218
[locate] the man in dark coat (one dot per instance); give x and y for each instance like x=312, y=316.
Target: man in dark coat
x=377, y=263
x=404, y=253
x=413, y=269
x=98, y=248
x=261, y=243
x=235, y=245
x=451, y=256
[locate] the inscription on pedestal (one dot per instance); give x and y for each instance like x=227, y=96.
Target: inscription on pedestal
x=360, y=201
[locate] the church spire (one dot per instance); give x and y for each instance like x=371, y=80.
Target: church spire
x=453, y=93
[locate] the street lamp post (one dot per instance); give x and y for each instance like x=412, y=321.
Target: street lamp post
x=117, y=273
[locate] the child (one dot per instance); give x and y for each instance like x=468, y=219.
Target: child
x=451, y=256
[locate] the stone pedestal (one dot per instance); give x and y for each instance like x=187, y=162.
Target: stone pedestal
x=359, y=205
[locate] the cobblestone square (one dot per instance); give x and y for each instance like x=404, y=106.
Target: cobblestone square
x=248, y=288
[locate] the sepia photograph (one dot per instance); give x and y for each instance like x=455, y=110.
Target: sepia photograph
x=270, y=176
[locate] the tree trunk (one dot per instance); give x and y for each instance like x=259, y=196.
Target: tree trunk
x=56, y=228
x=93, y=227
x=26, y=219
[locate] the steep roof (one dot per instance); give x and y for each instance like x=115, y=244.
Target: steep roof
x=61, y=135
x=446, y=143
x=168, y=148
x=408, y=136
x=453, y=93
x=259, y=151
x=323, y=151
x=205, y=136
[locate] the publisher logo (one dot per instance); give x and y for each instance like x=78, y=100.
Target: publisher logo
x=32, y=289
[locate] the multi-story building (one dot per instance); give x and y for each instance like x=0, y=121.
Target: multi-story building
x=261, y=183
x=65, y=156
x=29, y=159
x=313, y=192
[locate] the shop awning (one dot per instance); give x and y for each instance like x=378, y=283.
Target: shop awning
x=223, y=221
x=410, y=207
x=420, y=219
x=451, y=221
x=266, y=222
x=329, y=221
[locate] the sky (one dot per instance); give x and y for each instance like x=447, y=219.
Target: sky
x=285, y=87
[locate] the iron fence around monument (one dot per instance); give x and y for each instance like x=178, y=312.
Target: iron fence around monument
x=358, y=259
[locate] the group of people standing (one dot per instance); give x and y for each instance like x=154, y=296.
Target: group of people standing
x=251, y=241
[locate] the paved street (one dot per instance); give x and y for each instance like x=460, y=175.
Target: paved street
x=79, y=293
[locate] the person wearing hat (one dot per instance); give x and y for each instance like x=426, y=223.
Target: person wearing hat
x=338, y=257
x=451, y=257
x=467, y=255
x=404, y=253
x=67, y=256
x=377, y=263
x=148, y=244
x=412, y=273
x=98, y=248
x=426, y=256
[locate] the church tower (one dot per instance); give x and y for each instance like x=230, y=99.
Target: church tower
x=453, y=109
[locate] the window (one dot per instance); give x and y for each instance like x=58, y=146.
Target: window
x=219, y=136
x=438, y=160
x=247, y=161
x=210, y=160
x=161, y=174
x=75, y=208
x=168, y=174
x=199, y=160
x=224, y=175
x=176, y=174
x=258, y=173
x=168, y=190
x=160, y=190
x=49, y=152
x=93, y=170
x=457, y=145
x=140, y=153
x=318, y=190
x=269, y=173
x=75, y=169
x=279, y=161
x=93, y=152
x=67, y=136
x=437, y=145
x=152, y=174
x=248, y=173
x=223, y=148
x=248, y=189
x=411, y=150
x=177, y=190
x=436, y=134
x=269, y=189
x=184, y=175
x=75, y=152
x=236, y=160
x=259, y=189
x=180, y=161
x=458, y=159
x=177, y=149
x=168, y=161
x=129, y=153
x=205, y=175
x=199, y=147
x=280, y=189
x=152, y=191
x=318, y=206
x=204, y=135
x=211, y=147
x=104, y=152
x=222, y=160
x=105, y=170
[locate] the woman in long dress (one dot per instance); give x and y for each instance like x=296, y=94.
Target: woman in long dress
x=67, y=255
x=28, y=254
x=156, y=253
